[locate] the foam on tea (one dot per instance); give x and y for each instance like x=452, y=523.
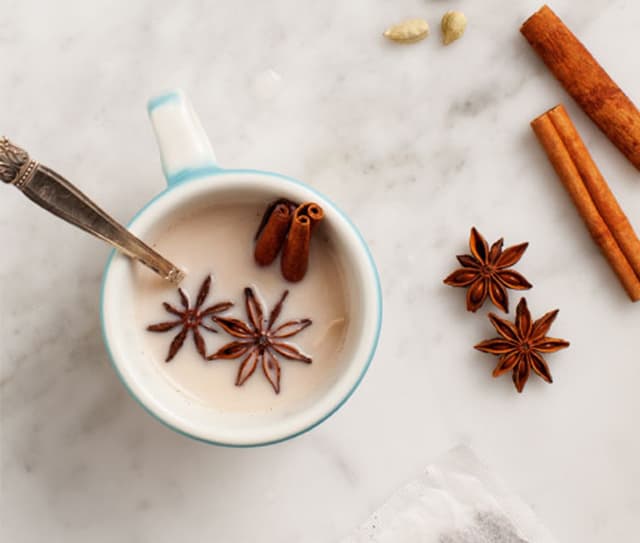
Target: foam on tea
x=218, y=241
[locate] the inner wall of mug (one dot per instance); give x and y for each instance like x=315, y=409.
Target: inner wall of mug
x=142, y=376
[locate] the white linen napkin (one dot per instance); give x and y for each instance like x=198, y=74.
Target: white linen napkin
x=456, y=500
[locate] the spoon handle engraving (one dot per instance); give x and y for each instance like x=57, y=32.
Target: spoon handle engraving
x=54, y=193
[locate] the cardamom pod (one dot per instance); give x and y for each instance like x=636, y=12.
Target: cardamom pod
x=409, y=31
x=453, y=25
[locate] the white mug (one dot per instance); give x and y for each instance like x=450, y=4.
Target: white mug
x=193, y=176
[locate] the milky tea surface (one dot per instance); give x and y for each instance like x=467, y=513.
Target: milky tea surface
x=219, y=241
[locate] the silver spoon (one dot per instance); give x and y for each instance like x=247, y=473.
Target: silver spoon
x=54, y=193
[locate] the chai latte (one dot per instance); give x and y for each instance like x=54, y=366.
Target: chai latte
x=218, y=241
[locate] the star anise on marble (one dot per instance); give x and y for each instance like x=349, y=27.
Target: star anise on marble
x=520, y=345
x=190, y=319
x=260, y=340
x=485, y=272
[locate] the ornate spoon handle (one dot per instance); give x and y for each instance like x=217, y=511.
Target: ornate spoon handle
x=54, y=193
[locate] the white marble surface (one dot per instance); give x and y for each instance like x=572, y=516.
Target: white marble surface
x=417, y=143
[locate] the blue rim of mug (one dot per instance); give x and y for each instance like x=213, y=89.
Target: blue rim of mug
x=189, y=175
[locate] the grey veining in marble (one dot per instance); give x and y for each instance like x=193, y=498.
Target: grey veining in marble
x=417, y=144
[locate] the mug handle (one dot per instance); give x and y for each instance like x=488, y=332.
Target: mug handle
x=185, y=150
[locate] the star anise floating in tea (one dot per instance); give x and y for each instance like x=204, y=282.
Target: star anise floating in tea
x=261, y=340
x=190, y=319
x=520, y=345
x=485, y=272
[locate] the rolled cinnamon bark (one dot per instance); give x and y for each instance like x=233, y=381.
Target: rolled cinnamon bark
x=599, y=190
x=295, y=256
x=590, y=194
x=313, y=211
x=272, y=236
x=586, y=81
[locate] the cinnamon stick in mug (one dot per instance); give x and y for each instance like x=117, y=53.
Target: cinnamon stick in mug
x=313, y=211
x=295, y=256
x=272, y=235
x=598, y=207
x=585, y=80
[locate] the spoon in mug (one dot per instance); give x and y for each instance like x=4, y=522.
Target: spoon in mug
x=54, y=193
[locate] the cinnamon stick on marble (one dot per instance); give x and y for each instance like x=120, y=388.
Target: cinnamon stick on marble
x=585, y=80
x=599, y=190
x=605, y=220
